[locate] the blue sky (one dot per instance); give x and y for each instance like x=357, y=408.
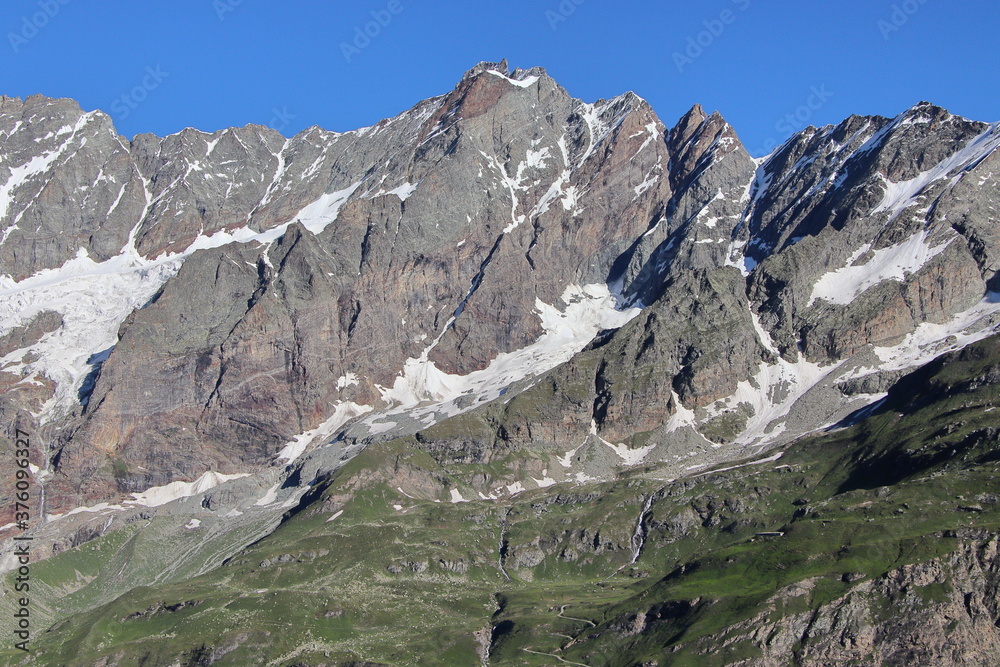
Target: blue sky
x=769, y=66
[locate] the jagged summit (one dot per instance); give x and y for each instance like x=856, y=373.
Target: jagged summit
x=502, y=67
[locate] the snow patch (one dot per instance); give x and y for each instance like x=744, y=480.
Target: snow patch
x=98, y=508
x=342, y=413
x=93, y=299
x=682, y=416
x=567, y=460
x=422, y=388
x=899, y=196
x=269, y=497
x=893, y=263
x=599, y=129
x=771, y=393
x=651, y=180
x=522, y=83
x=534, y=159
x=929, y=341
x=316, y=216
x=348, y=380
x=544, y=482
x=161, y=495
x=403, y=191
x=762, y=334
x=654, y=134
x=769, y=459
x=630, y=457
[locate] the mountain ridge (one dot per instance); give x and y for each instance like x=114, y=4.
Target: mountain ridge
x=694, y=131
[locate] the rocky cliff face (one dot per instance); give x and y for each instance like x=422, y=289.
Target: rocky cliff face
x=501, y=290
x=282, y=279
x=244, y=289
x=834, y=269
x=941, y=612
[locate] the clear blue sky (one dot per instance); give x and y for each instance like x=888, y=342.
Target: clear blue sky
x=211, y=64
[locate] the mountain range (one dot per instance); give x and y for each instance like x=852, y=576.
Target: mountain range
x=509, y=378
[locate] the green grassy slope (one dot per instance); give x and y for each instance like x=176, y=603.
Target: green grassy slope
x=365, y=573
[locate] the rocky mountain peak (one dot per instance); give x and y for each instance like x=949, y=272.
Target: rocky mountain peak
x=927, y=111
x=520, y=74
x=500, y=67
x=687, y=124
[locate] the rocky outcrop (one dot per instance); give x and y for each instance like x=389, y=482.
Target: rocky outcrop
x=942, y=612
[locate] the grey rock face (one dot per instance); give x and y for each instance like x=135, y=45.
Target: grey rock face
x=313, y=269
x=457, y=216
x=849, y=249
x=68, y=184
x=870, y=184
